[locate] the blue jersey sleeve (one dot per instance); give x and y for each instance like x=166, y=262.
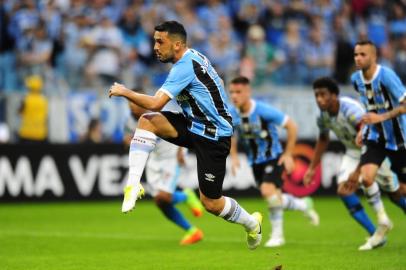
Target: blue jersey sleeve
x=272, y=115
x=394, y=85
x=235, y=115
x=180, y=76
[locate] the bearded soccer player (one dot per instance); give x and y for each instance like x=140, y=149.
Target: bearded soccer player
x=204, y=125
x=381, y=92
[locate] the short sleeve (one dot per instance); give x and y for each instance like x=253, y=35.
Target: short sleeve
x=352, y=110
x=272, y=114
x=180, y=76
x=394, y=85
x=354, y=81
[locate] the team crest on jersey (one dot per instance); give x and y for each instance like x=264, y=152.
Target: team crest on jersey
x=263, y=134
x=204, y=69
x=182, y=98
x=372, y=107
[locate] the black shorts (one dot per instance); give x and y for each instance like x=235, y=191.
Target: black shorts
x=375, y=153
x=268, y=172
x=211, y=155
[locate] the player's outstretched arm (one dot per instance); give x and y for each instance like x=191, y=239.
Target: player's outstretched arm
x=286, y=158
x=321, y=146
x=153, y=103
x=374, y=118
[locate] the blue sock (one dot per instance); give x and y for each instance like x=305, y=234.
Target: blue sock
x=353, y=205
x=178, y=196
x=402, y=203
x=175, y=216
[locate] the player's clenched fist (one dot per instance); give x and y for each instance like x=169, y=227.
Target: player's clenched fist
x=117, y=89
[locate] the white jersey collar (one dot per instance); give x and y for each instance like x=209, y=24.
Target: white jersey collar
x=253, y=105
x=378, y=68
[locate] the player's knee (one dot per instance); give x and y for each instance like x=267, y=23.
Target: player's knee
x=268, y=190
x=368, y=175
x=402, y=189
x=145, y=122
x=341, y=191
x=162, y=200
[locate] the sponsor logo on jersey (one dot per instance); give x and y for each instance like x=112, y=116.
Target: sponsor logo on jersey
x=181, y=98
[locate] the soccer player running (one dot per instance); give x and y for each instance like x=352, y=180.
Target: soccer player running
x=205, y=126
x=257, y=123
x=343, y=115
x=381, y=92
x=162, y=172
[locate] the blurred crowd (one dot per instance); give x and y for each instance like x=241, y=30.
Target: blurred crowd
x=78, y=44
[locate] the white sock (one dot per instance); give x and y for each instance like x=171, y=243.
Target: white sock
x=374, y=199
x=142, y=144
x=234, y=213
x=290, y=202
x=276, y=219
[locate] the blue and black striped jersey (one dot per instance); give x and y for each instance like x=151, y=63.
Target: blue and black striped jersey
x=258, y=131
x=200, y=93
x=381, y=94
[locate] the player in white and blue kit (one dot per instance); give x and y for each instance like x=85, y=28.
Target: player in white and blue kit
x=204, y=125
x=342, y=115
x=256, y=124
x=381, y=91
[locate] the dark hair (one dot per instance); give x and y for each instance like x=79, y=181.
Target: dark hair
x=173, y=28
x=326, y=82
x=367, y=42
x=240, y=80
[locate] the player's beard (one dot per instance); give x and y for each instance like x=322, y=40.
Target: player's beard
x=367, y=66
x=166, y=60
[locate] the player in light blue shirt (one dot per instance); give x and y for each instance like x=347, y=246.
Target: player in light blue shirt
x=383, y=95
x=257, y=124
x=205, y=126
x=381, y=92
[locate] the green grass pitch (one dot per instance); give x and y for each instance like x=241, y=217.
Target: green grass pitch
x=96, y=235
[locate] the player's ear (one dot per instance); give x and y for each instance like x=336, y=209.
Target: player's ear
x=178, y=44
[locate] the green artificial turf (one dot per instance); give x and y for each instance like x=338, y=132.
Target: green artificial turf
x=96, y=235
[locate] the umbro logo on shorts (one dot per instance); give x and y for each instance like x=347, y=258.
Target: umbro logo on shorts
x=268, y=169
x=209, y=177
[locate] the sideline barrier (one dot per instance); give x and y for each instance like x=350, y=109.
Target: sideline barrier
x=82, y=171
